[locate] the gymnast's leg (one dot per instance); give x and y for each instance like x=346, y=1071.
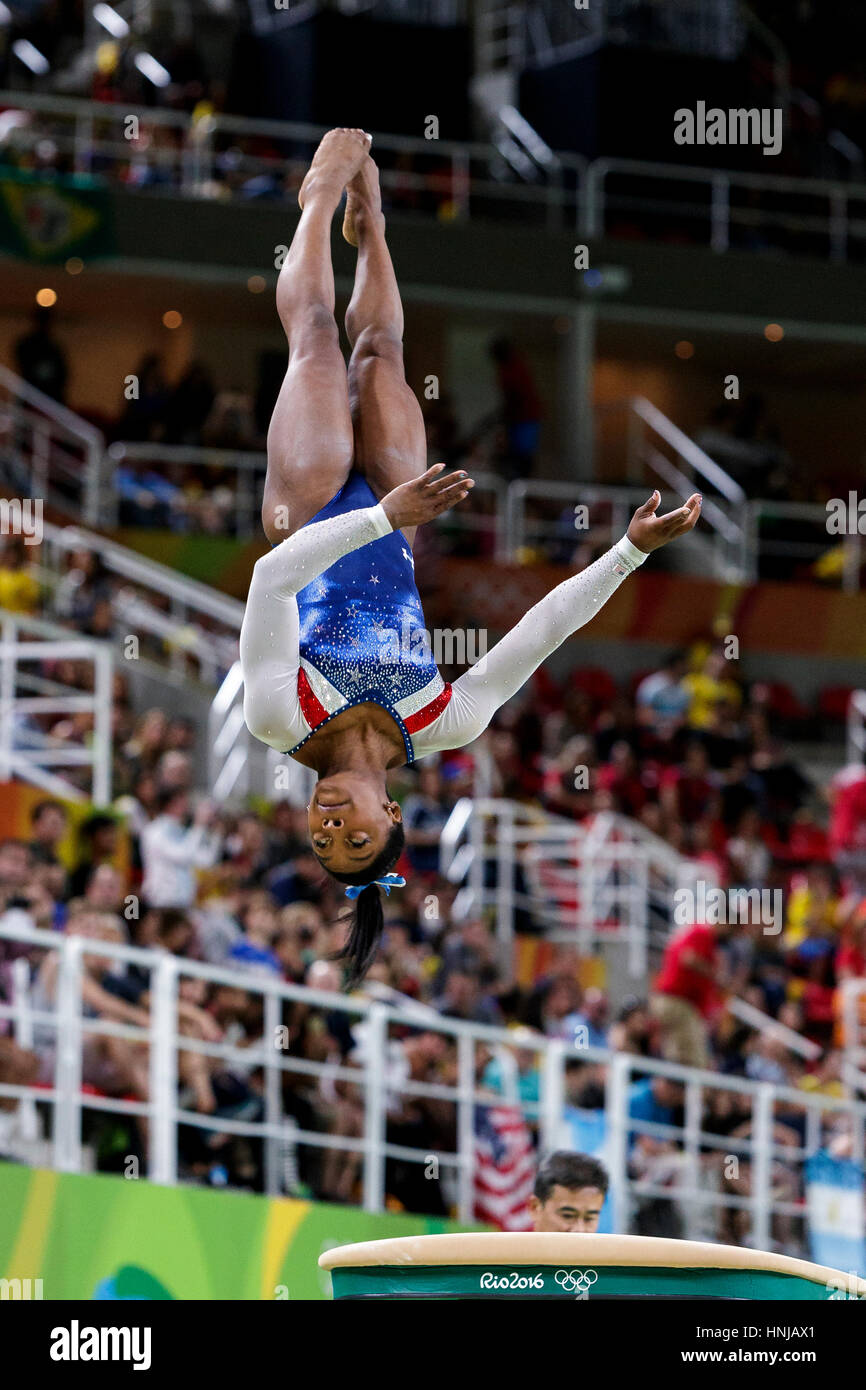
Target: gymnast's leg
x=310, y=439
x=390, y=440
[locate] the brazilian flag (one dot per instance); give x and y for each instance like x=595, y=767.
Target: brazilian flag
x=49, y=218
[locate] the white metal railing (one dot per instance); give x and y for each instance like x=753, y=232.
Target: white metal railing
x=656, y=447
x=694, y=1146
x=28, y=696
x=188, y=619
x=804, y=542
x=605, y=880
x=245, y=472
x=516, y=515
x=730, y=207
x=689, y=456
x=204, y=158
x=37, y=463
x=46, y=450
x=246, y=469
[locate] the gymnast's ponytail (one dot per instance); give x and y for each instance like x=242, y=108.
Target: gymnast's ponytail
x=368, y=920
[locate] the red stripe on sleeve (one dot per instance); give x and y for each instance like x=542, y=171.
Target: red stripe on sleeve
x=428, y=713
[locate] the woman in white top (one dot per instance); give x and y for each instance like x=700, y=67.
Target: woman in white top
x=337, y=665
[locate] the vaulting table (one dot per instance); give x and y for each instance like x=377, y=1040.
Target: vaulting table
x=485, y=1264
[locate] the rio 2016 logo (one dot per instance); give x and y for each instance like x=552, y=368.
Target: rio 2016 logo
x=576, y=1281
x=512, y=1281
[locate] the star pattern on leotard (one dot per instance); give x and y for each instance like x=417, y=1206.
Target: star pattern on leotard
x=359, y=631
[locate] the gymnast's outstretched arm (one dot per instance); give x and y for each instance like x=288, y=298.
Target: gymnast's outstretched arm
x=480, y=691
x=270, y=631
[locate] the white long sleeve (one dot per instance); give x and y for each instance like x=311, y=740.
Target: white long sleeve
x=479, y=692
x=270, y=631
x=170, y=855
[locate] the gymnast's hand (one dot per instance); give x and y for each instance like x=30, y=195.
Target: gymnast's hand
x=413, y=503
x=648, y=531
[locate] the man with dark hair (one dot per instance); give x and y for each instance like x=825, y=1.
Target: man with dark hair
x=48, y=824
x=16, y=865
x=99, y=837
x=40, y=359
x=570, y=1189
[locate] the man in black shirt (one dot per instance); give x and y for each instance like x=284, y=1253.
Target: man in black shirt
x=40, y=359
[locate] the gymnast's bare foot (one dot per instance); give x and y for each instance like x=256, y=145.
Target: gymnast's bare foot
x=335, y=163
x=363, y=201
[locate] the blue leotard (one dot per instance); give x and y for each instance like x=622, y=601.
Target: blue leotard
x=362, y=634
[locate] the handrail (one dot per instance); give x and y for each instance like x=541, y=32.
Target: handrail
x=196, y=455
x=246, y=125
x=756, y=547
x=720, y=181
x=46, y=405
x=185, y=628
x=587, y=882
x=47, y=419
x=376, y=1083
x=32, y=760
x=250, y=462
x=191, y=593
x=585, y=200
x=194, y=159
x=688, y=449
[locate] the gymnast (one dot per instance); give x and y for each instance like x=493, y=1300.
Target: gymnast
x=347, y=485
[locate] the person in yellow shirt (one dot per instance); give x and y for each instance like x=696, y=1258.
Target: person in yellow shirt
x=706, y=687
x=19, y=590
x=813, y=906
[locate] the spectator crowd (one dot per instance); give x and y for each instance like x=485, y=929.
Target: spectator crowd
x=686, y=750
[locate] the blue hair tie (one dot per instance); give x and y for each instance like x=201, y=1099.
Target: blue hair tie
x=388, y=882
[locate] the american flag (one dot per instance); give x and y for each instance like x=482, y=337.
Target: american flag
x=504, y=1167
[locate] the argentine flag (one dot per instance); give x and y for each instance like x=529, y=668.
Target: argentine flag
x=835, y=1203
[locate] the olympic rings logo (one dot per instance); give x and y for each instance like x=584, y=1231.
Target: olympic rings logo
x=571, y=1280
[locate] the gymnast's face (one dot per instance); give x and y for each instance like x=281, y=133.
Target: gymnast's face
x=567, y=1209
x=350, y=818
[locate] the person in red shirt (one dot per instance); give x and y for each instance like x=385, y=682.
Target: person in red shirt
x=847, y=837
x=690, y=792
x=850, y=959
x=622, y=777
x=687, y=992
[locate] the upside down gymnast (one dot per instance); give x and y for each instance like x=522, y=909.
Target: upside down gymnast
x=347, y=485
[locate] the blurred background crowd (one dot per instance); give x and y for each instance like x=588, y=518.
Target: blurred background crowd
x=686, y=749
